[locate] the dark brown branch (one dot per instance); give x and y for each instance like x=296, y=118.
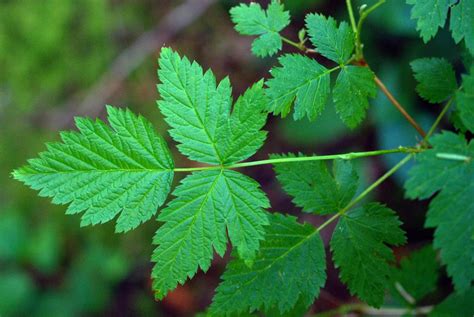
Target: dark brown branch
x=399, y=107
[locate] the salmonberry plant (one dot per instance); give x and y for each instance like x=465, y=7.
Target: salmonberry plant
x=124, y=170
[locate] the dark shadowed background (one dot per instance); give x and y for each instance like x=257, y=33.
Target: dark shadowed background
x=63, y=58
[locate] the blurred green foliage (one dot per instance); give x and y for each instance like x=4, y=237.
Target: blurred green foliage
x=53, y=50
x=49, y=48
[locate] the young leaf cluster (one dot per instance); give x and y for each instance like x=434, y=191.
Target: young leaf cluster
x=302, y=81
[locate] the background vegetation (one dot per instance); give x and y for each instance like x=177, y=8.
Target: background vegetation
x=61, y=58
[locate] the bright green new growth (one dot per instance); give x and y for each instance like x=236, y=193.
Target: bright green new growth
x=354, y=85
x=316, y=189
x=448, y=168
x=306, y=83
x=465, y=101
x=104, y=171
x=360, y=250
x=331, y=41
x=432, y=14
x=290, y=267
x=207, y=204
x=436, y=79
x=302, y=80
x=199, y=113
x=253, y=20
x=417, y=275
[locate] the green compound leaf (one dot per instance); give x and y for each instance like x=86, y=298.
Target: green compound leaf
x=432, y=14
x=417, y=275
x=207, y=204
x=360, y=250
x=436, y=79
x=253, y=20
x=316, y=189
x=459, y=305
x=302, y=80
x=104, y=171
x=448, y=168
x=465, y=101
x=331, y=41
x=354, y=85
x=290, y=267
x=199, y=112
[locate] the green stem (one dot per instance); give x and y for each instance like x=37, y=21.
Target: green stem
x=358, y=48
x=297, y=45
x=362, y=195
x=438, y=119
x=344, y=156
x=367, y=310
x=351, y=16
x=363, y=15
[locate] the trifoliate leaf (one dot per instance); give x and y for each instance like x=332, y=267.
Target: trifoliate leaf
x=436, y=79
x=316, y=189
x=462, y=21
x=253, y=20
x=199, y=112
x=361, y=252
x=207, y=204
x=448, y=168
x=104, y=171
x=354, y=85
x=290, y=266
x=459, y=305
x=417, y=274
x=331, y=41
x=302, y=80
x=465, y=101
x=430, y=15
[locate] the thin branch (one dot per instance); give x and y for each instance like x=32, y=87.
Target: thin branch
x=344, y=156
x=130, y=59
x=438, y=119
x=299, y=46
x=399, y=107
x=403, y=292
x=363, y=309
x=369, y=189
x=363, y=15
x=351, y=16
